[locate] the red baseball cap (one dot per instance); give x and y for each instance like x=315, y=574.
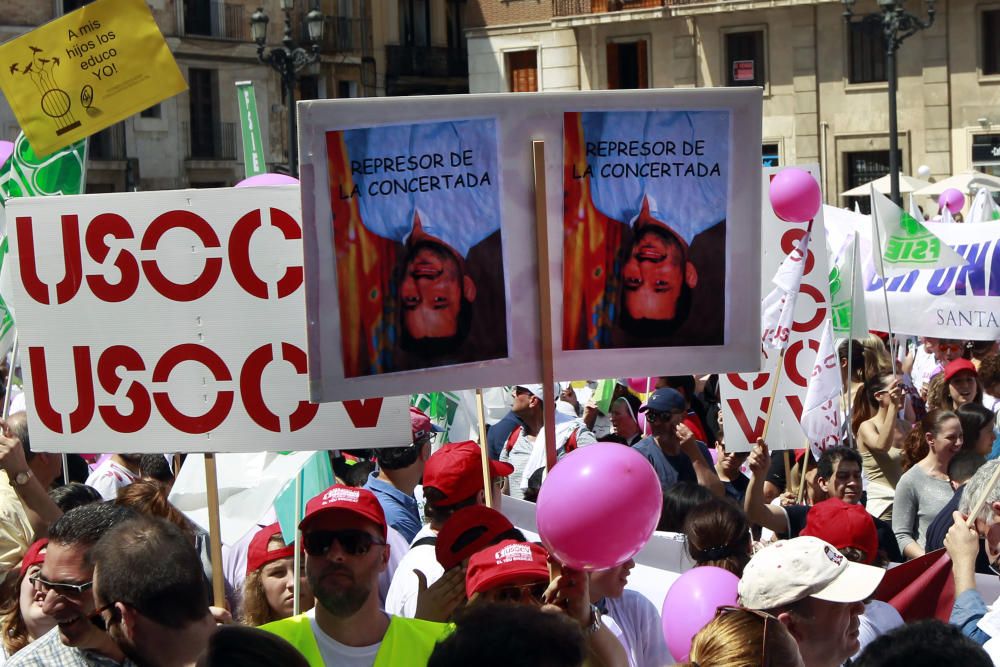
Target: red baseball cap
x=34, y=555
x=421, y=425
x=508, y=562
x=345, y=499
x=467, y=531
x=456, y=470
x=957, y=366
x=258, y=554
x=843, y=525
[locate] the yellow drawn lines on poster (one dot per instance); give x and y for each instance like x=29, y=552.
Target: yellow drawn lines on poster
x=85, y=71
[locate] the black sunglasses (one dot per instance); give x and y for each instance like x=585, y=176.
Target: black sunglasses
x=97, y=619
x=353, y=542
x=65, y=590
x=525, y=593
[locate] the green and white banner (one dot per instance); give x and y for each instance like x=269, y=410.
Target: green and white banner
x=253, y=147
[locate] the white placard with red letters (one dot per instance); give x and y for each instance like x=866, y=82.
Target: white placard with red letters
x=745, y=396
x=173, y=322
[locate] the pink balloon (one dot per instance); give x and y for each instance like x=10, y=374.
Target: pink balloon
x=952, y=199
x=640, y=385
x=599, y=506
x=795, y=195
x=691, y=604
x=6, y=150
x=267, y=179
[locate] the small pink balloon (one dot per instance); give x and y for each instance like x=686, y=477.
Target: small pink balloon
x=599, y=506
x=691, y=604
x=640, y=385
x=795, y=195
x=267, y=179
x=952, y=199
x=6, y=150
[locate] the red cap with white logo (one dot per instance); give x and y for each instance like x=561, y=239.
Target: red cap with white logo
x=340, y=499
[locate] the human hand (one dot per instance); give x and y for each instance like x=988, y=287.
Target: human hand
x=689, y=444
x=221, y=615
x=759, y=461
x=895, y=390
x=569, y=395
x=439, y=601
x=12, y=458
x=569, y=592
x=962, y=542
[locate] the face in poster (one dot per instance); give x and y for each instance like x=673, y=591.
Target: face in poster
x=645, y=228
x=416, y=231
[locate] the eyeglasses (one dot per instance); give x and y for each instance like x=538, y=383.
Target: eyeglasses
x=949, y=347
x=97, y=619
x=65, y=590
x=722, y=611
x=653, y=416
x=525, y=593
x=353, y=542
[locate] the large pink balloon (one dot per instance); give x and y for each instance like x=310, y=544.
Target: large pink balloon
x=6, y=150
x=267, y=179
x=640, y=385
x=795, y=195
x=691, y=604
x=952, y=199
x=599, y=506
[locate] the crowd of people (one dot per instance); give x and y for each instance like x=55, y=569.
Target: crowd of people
x=408, y=559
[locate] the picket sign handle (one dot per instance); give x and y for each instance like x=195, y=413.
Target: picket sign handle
x=805, y=469
x=10, y=381
x=788, y=467
x=297, y=557
x=774, y=391
x=970, y=521
x=484, y=453
x=214, y=531
x=544, y=303
x=877, y=256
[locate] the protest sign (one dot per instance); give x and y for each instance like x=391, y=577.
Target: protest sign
x=85, y=71
x=254, y=162
x=461, y=168
x=178, y=316
x=746, y=396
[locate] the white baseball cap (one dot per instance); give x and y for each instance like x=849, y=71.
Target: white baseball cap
x=537, y=389
x=791, y=570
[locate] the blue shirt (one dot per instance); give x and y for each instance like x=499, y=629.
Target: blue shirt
x=968, y=609
x=401, y=511
x=670, y=469
x=496, y=436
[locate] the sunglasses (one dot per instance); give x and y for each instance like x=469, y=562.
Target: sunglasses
x=353, y=542
x=722, y=611
x=97, y=619
x=65, y=590
x=949, y=347
x=524, y=593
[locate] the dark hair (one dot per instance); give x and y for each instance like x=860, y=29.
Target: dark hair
x=679, y=382
x=857, y=357
x=86, y=524
x=74, y=494
x=434, y=347
x=437, y=513
x=865, y=403
x=964, y=465
x=927, y=643
x=535, y=484
x=78, y=470
x=396, y=458
x=678, y=500
x=939, y=394
x=240, y=645
x=916, y=447
x=831, y=458
x=645, y=327
x=974, y=417
x=150, y=565
x=718, y=534
x=357, y=473
x=155, y=466
x=528, y=634
x=989, y=370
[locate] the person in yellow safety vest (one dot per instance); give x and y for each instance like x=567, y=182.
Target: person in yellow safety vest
x=344, y=535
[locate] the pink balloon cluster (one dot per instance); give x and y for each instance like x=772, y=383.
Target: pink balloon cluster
x=952, y=199
x=599, y=506
x=795, y=195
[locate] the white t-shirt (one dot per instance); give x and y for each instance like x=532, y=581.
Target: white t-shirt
x=878, y=619
x=398, y=548
x=109, y=477
x=341, y=655
x=636, y=623
x=401, y=600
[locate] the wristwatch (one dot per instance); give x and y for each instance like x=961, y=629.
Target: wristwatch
x=21, y=478
x=595, y=620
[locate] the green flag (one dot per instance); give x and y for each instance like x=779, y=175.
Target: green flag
x=27, y=175
x=253, y=146
x=847, y=306
x=316, y=476
x=906, y=244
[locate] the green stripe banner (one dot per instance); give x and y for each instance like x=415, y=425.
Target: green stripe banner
x=253, y=147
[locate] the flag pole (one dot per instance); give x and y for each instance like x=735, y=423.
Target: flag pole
x=297, y=556
x=484, y=448
x=214, y=531
x=774, y=391
x=10, y=380
x=805, y=469
x=877, y=253
x=850, y=344
x=544, y=302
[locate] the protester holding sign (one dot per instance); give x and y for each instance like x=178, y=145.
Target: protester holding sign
x=880, y=440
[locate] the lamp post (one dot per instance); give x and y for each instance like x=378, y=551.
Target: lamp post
x=897, y=24
x=287, y=60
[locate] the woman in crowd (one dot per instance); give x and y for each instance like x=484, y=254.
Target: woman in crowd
x=269, y=585
x=21, y=618
x=624, y=422
x=678, y=500
x=924, y=489
x=742, y=637
x=881, y=435
x=956, y=386
x=718, y=534
x=978, y=423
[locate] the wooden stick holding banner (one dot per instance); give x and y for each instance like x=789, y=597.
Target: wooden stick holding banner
x=297, y=558
x=970, y=521
x=802, y=479
x=774, y=392
x=214, y=531
x=484, y=448
x=544, y=303
x=10, y=380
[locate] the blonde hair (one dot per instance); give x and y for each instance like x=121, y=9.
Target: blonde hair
x=255, y=609
x=736, y=639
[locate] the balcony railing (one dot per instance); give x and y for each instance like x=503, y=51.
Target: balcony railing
x=341, y=34
x=210, y=141
x=429, y=61
x=577, y=7
x=108, y=144
x=222, y=21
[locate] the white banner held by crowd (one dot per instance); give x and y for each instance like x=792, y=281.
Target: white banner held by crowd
x=174, y=321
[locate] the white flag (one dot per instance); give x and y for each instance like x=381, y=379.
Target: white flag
x=778, y=307
x=906, y=244
x=984, y=208
x=847, y=301
x=821, y=411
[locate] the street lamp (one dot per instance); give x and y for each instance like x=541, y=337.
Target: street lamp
x=287, y=60
x=897, y=24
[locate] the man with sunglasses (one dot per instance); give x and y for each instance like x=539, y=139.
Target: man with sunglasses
x=673, y=451
x=344, y=535
x=66, y=579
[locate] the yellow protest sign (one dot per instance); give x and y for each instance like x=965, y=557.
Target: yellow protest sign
x=87, y=70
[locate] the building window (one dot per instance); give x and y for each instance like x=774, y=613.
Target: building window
x=862, y=167
x=346, y=89
x=197, y=17
x=152, y=112
x=414, y=22
x=866, y=55
x=770, y=156
x=522, y=71
x=627, y=65
x=991, y=41
x=745, y=58
x=72, y=5
x=986, y=153
x=309, y=88
x=456, y=30
x=204, y=111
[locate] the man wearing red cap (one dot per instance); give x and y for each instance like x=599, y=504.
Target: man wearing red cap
x=344, y=534
x=453, y=479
